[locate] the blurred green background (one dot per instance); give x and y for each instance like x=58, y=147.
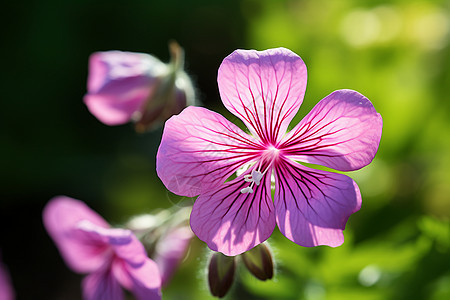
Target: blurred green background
x=394, y=52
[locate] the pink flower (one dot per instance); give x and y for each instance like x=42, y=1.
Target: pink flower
x=170, y=250
x=6, y=289
x=113, y=257
x=126, y=86
x=201, y=150
x=166, y=236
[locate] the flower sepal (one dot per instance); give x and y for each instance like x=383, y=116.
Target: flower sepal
x=137, y=87
x=172, y=92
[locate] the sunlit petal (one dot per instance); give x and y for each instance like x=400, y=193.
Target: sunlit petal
x=233, y=222
x=199, y=150
x=312, y=207
x=342, y=132
x=264, y=89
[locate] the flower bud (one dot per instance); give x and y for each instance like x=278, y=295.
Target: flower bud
x=220, y=274
x=259, y=262
x=127, y=86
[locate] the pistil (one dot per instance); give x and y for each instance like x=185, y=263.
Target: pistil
x=268, y=157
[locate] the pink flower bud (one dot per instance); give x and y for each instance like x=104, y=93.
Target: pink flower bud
x=138, y=87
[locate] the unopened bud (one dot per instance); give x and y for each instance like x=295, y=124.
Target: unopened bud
x=127, y=86
x=259, y=262
x=173, y=91
x=220, y=274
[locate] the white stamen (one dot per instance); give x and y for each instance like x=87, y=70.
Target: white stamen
x=247, y=190
x=257, y=176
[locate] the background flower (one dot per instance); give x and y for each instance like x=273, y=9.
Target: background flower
x=166, y=236
x=127, y=86
x=111, y=257
x=170, y=251
x=6, y=288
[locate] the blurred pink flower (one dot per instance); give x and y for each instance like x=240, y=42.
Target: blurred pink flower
x=6, y=289
x=170, y=250
x=112, y=257
x=166, y=236
x=127, y=86
x=200, y=150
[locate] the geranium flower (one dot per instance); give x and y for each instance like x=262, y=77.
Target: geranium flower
x=138, y=87
x=112, y=257
x=201, y=150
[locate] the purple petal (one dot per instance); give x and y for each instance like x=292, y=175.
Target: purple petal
x=119, y=83
x=312, y=207
x=232, y=222
x=144, y=281
x=102, y=285
x=123, y=241
x=133, y=252
x=6, y=289
x=115, y=109
x=170, y=250
x=106, y=67
x=342, y=132
x=112, y=236
x=264, y=89
x=83, y=252
x=199, y=150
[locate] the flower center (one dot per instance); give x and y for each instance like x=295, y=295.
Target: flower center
x=272, y=150
x=268, y=156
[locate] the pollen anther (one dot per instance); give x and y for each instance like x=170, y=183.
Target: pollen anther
x=256, y=177
x=247, y=190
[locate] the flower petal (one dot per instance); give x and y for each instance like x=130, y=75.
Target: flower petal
x=6, y=289
x=82, y=252
x=112, y=236
x=115, y=109
x=170, y=250
x=312, y=207
x=264, y=89
x=199, y=150
x=110, y=66
x=144, y=281
x=133, y=252
x=119, y=83
x=342, y=132
x=101, y=285
x=232, y=222
x=123, y=241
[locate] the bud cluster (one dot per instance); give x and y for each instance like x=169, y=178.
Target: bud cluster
x=221, y=268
